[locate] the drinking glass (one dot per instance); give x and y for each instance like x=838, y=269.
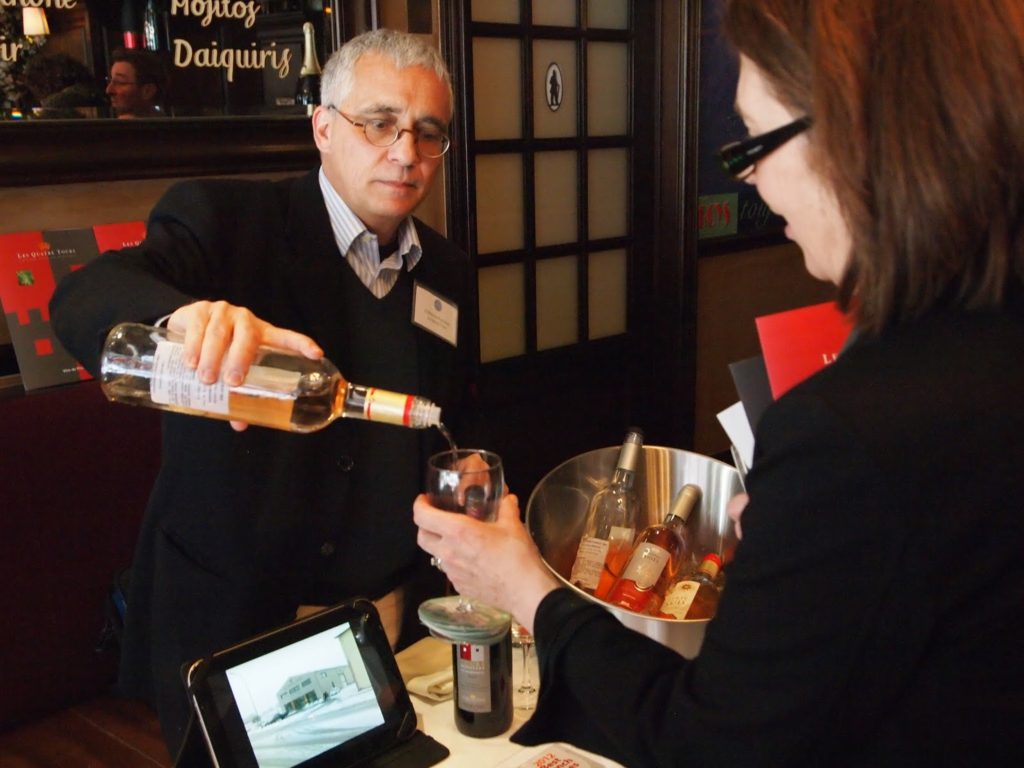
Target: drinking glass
x=469, y=481
x=525, y=692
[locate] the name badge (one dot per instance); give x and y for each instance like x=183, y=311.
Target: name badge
x=433, y=312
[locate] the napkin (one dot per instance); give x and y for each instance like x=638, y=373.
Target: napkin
x=436, y=687
x=426, y=668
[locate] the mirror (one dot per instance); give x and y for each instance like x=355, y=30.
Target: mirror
x=67, y=59
x=223, y=119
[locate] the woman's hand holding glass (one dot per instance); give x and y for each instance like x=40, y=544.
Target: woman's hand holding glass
x=470, y=482
x=496, y=563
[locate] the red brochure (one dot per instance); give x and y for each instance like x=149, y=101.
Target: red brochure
x=31, y=265
x=800, y=342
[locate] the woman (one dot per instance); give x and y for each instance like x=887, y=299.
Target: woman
x=875, y=607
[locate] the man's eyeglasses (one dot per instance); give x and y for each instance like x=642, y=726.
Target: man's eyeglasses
x=384, y=133
x=739, y=157
x=119, y=83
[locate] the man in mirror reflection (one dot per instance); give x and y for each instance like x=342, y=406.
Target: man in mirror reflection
x=247, y=528
x=137, y=83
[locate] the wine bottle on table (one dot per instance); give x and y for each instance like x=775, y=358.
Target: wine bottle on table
x=143, y=365
x=483, y=687
x=660, y=550
x=695, y=595
x=611, y=524
x=307, y=90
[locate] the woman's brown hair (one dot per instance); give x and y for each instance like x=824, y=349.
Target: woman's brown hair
x=919, y=128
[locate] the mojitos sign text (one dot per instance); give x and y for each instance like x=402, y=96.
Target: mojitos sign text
x=187, y=54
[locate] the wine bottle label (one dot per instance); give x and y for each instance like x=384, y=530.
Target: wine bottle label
x=174, y=383
x=586, y=571
x=645, y=565
x=679, y=599
x=474, y=673
x=387, y=407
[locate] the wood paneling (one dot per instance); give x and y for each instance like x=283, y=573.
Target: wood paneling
x=66, y=206
x=76, y=472
x=732, y=290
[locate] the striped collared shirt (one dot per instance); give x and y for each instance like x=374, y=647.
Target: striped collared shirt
x=361, y=248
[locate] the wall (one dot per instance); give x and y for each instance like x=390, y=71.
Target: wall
x=66, y=206
x=732, y=290
x=76, y=472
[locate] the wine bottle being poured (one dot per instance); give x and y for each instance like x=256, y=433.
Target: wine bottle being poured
x=143, y=365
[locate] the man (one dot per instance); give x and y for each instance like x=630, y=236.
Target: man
x=246, y=527
x=137, y=84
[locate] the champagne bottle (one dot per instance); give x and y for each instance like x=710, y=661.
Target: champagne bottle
x=483, y=687
x=611, y=524
x=307, y=90
x=695, y=595
x=154, y=27
x=142, y=365
x=659, y=552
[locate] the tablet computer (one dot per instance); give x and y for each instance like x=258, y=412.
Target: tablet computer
x=322, y=691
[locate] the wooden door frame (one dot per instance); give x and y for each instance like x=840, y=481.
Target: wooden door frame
x=668, y=396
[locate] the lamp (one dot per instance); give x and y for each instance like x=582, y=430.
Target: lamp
x=34, y=22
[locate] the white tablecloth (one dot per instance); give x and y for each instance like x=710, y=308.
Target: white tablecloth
x=437, y=720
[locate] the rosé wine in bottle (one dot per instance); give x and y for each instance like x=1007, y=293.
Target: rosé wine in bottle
x=657, y=556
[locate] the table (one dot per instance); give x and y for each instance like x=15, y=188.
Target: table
x=437, y=720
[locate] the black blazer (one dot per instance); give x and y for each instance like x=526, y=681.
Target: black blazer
x=874, y=612
x=234, y=518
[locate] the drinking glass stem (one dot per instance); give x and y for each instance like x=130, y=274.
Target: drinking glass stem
x=527, y=685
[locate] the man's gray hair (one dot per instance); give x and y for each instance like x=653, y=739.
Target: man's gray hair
x=404, y=49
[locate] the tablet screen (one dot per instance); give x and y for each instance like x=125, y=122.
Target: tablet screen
x=323, y=691
x=305, y=698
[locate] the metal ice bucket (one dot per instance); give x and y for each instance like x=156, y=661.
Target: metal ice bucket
x=557, y=510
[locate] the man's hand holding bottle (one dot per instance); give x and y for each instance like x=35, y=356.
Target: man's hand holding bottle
x=221, y=341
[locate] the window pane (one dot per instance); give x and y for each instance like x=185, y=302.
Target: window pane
x=606, y=293
x=607, y=193
x=557, y=13
x=608, y=14
x=557, y=306
x=499, y=203
x=505, y=11
x=502, y=312
x=497, y=90
x=607, y=91
x=554, y=112
x=555, y=197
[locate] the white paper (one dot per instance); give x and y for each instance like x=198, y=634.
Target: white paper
x=432, y=312
x=734, y=421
